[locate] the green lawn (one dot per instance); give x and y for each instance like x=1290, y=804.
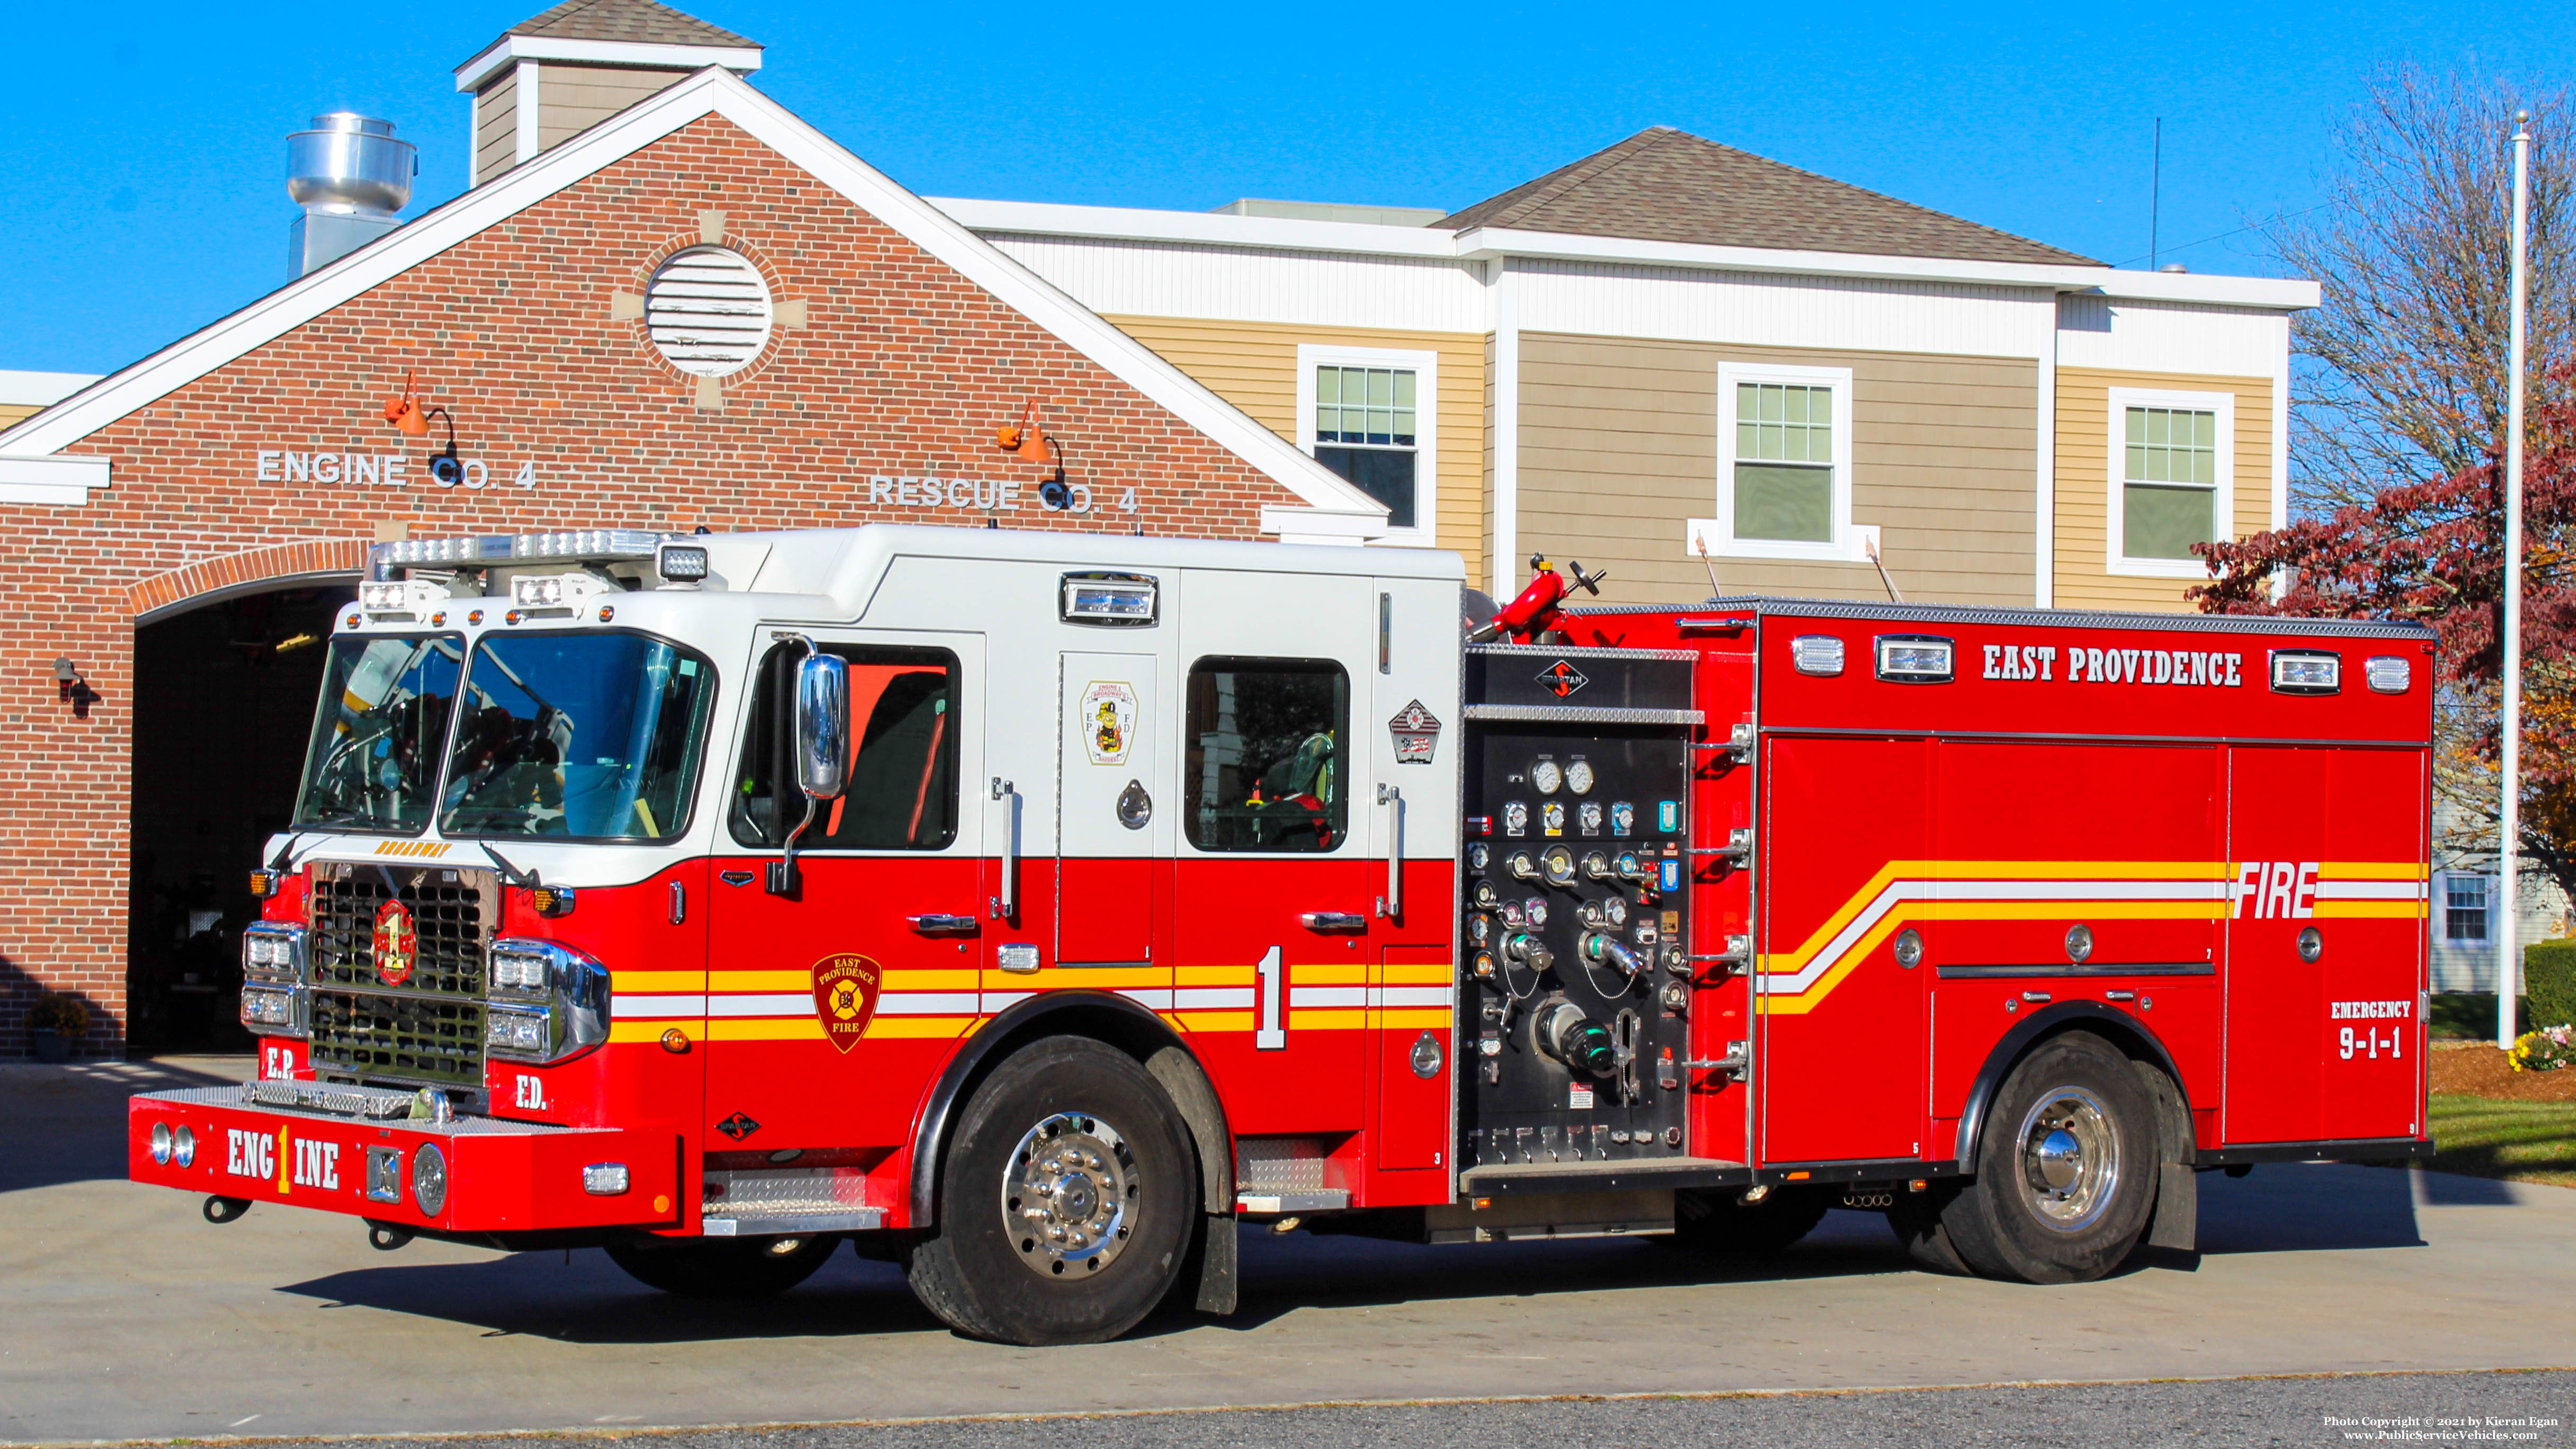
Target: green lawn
x=2529, y=1141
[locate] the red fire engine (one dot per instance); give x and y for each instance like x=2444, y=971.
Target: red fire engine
x=1028, y=908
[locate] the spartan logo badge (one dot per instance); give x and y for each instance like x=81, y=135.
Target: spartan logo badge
x=397, y=944
x=845, y=997
x=1561, y=679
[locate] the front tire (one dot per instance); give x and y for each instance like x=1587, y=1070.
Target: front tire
x=2066, y=1168
x=1066, y=1203
x=719, y=1268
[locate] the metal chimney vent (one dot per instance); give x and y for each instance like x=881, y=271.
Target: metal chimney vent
x=708, y=308
x=351, y=176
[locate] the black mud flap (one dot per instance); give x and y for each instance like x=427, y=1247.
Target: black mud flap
x=1216, y=1264
x=2177, y=1220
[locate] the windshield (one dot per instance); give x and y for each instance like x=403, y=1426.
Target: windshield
x=587, y=735
x=374, y=757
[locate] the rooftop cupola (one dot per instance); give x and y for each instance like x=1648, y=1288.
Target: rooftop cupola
x=555, y=75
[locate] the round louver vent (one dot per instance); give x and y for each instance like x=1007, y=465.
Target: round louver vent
x=709, y=311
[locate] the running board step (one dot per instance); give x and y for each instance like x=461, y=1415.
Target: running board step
x=1499, y=1179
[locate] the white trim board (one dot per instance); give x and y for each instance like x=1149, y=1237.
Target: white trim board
x=44, y=389
x=713, y=91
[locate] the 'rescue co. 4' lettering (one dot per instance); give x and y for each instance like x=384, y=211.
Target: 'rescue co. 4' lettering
x=2086, y=665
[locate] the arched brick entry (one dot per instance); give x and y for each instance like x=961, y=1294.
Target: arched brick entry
x=314, y=560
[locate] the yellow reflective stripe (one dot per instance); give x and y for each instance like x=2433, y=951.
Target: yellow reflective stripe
x=2373, y=870
x=689, y=981
x=1328, y=973
x=1214, y=975
x=962, y=978
x=1058, y=978
x=1413, y=1018
x=1198, y=1021
x=760, y=981
x=695, y=1028
x=1414, y=973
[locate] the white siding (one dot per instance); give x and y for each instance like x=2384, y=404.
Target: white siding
x=1764, y=310
x=2125, y=336
x=1244, y=284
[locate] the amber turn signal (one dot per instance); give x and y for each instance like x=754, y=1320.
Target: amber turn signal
x=552, y=900
x=675, y=1041
x=264, y=884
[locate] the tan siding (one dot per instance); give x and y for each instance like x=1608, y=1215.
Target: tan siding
x=496, y=127
x=12, y=414
x=1618, y=450
x=1253, y=365
x=2084, y=580
x=573, y=98
x=1479, y=575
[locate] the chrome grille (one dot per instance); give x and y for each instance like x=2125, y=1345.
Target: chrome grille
x=383, y=1036
x=452, y=912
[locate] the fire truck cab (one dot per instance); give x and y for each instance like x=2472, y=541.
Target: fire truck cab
x=1029, y=907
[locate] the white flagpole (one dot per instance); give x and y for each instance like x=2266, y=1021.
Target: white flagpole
x=2509, y=828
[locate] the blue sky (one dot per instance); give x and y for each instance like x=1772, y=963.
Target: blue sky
x=143, y=170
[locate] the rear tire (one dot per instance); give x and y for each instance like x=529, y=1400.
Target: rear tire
x=719, y=1268
x=1066, y=1203
x=1722, y=1223
x=2066, y=1168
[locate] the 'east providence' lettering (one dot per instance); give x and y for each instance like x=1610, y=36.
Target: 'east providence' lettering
x=2117, y=666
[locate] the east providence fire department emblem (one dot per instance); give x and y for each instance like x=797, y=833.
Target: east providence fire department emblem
x=1417, y=734
x=845, y=997
x=397, y=944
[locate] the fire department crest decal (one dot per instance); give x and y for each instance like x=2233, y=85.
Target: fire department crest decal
x=397, y=944
x=1417, y=734
x=1108, y=721
x=845, y=997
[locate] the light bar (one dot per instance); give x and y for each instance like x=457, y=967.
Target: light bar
x=2306, y=671
x=578, y=543
x=1817, y=654
x=2388, y=674
x=1113, y=600
x=1916, y=659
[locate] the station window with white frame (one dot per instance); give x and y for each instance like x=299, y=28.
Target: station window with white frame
x=1370, y=414
x=2467, y=901
x=2171, y=483
x=1784, y=463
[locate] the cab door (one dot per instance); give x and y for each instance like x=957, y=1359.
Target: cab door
x=826, y=1007
x=1111, y=824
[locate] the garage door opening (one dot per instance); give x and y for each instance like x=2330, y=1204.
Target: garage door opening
x=223, y=698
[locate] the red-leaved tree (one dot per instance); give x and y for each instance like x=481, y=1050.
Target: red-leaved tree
x=2433, y=553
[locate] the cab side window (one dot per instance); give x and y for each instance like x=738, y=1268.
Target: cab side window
x=1265, y=771
x=902, y=791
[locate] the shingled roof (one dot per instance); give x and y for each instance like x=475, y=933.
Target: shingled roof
x=641, y=22
x=1666, y=185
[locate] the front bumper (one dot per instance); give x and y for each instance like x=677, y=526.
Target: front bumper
x=500, y=1177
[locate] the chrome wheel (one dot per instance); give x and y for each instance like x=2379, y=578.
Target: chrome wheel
x=2070, y=1158
x=1067, y=1195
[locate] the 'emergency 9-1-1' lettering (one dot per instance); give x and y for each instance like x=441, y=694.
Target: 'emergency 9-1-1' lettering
x=2116, y=666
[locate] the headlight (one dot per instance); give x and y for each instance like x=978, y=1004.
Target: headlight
x=605, y=1179
x=429, y=1179
x=183, y=1147
x=517, y=971
x=268, y=1006
x=273, y=952
x=161, y=1142
x=516, y=1032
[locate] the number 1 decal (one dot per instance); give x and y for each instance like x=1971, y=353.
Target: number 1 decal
x=1272, y=1033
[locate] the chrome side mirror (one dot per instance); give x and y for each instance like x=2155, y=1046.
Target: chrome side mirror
x=822, y=751
x=822, y=725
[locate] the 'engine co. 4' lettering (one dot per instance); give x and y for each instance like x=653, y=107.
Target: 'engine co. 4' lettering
x=2278, y=890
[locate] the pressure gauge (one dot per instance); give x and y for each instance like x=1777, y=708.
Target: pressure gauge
x=1485, y=964
x=1486, y=896
x=1478, y=854
x=1480, y=929
x=1552, y=815
x=1614, y=912
x=1545, y=777
x=1516, y=817
x=1533, y=913
x=1596, y=866
x=1578, y=777
x=1512, y=915
x=1589, y=812
x=1590, y=914
x=1558, y=866
x=1521, y=866
x=1623, y=818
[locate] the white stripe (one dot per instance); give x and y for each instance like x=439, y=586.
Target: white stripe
x=926, y=1003
x=998, y=1001
x=1409, y=996
x=631, y=1007
x=1318, y=996
x=2370, y=890
x=1150, y=1000
x=763, y=1004
x=1212, y=998
x=2078, y=890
